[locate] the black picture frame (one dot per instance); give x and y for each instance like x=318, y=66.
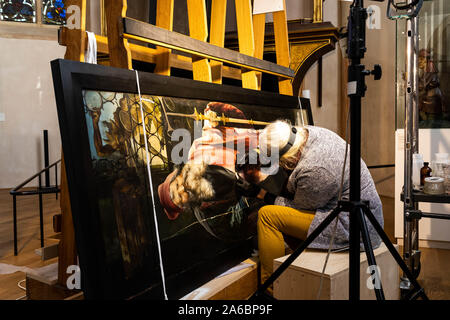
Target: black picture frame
x=70, y=79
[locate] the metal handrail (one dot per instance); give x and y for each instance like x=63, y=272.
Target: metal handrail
x=39, y=190
x=20, y=186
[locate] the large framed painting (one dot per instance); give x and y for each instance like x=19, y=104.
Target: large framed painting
x=148, y=188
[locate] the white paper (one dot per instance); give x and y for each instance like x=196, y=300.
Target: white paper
x=351, y=87
x=266, y=6
x=306, y=94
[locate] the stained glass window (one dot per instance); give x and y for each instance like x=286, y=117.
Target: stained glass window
x=18, y=10
x=53, y=12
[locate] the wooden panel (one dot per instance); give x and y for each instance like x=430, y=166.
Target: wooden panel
x=119, y=52
x=282, y=47
x=148, y=33
x=164, y=19
x=198, y=29
x=217, y=36
x=246, y=39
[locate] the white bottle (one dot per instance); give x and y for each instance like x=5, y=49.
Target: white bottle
x=441, y=160
x=417, y=164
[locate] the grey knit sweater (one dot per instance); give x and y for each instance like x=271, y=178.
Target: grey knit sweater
x=315, y=183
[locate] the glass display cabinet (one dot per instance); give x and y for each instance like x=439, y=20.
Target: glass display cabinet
x=428, y=124
x=433, y=66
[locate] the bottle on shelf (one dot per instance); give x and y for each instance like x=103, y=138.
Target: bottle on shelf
x=417, y=164
x=424, y=173
x=439, y=164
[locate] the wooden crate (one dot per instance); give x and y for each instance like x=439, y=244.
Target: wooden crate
x=301, y=280
x=43, y=285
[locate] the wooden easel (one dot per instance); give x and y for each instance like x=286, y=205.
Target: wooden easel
x=251, y=30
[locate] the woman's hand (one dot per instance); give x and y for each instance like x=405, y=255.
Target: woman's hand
x=246, y=189
x=261, y=194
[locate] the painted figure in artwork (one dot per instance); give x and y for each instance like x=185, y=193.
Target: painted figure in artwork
x=208, y=180
x=115, y=126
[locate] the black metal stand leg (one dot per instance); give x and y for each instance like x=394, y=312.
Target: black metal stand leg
x=298, y=251
x=369, y=253
x=15, y=224
x=394, y=253
x=354, y=257
x=41, y=219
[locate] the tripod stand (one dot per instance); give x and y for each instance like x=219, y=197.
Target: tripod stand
x=358, y=210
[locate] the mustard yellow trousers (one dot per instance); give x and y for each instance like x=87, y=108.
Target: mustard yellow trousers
x=273, y=223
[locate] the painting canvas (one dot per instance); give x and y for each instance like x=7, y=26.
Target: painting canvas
x=115, y=139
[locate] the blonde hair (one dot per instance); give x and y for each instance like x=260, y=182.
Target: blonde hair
x=194, y=182
x=276, y=136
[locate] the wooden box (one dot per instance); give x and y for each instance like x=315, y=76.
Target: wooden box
x=301, y=280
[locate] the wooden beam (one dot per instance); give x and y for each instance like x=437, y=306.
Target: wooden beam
x=77, y=37
x=164, y=19
x=148, y=55
x=246, y=39
x=282, y=47
x=217, y=35
x=145, y=32
x=119, y=52
x=259, y=26
x=76, y=47
x=67, y=251
x=198, y=29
